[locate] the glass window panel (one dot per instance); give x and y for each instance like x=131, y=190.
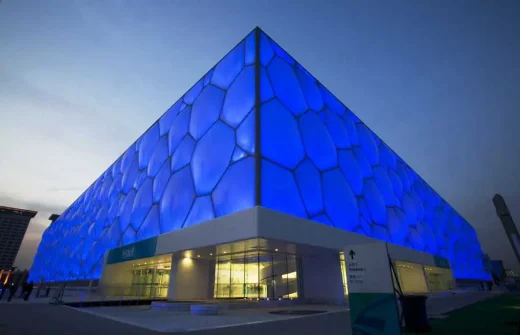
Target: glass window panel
x=223, y=277
x=292, y=277
x=253, y=289
x=237, y=277
x=280, y=275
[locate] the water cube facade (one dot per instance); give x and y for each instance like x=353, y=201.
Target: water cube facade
x=257, y=129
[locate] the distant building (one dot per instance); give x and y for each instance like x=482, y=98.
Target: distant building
x=54, y=217
x=13, y=225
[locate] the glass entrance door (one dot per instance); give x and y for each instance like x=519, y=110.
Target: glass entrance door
x=256, y=275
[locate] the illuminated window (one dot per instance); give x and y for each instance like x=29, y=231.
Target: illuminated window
x=343, y=273
x=256, y=276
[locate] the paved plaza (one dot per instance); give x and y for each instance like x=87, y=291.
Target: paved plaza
x=39, y=318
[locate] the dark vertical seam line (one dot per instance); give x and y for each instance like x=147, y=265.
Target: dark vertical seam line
x=258, y=191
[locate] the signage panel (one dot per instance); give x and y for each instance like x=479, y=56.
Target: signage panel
x=373, y=304
x=142, y=249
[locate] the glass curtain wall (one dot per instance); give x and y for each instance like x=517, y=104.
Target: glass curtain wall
x=146, y=278
x=150, y=281
x=256, y=275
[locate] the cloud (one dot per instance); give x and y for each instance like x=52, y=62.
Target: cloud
x=65, y=189
x=41, y=207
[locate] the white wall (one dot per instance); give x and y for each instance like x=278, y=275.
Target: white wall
x=276, y=225
x=234, y=227
x=280, y=226
x=322, y=278
x=190, y=279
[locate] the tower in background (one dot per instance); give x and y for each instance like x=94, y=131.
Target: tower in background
x=508, y=223
x=13, y=225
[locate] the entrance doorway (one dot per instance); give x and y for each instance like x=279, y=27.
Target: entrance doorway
x=256, y=275
x=142, y=278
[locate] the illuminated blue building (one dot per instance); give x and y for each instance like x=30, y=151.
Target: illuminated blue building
x=256, y=130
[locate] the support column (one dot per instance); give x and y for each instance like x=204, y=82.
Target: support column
x=190, y=279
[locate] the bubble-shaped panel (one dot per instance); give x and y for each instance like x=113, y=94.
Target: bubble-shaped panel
x=125, y=211
x=286, y=86
x=397, y=185
x=129, y=175
x=387, y=156
x=141, y=177
x=266, y=50
x=159, y=155
x=240, y=98
x=348, y=120
x=349, y=166
x=279, y=190
x=150, y=227
x=238, y=154
x=150, y=139
x=194, y=92
x=236, y=190
x=317, y=141
x=142, y=204
x=126, y=159
x=165, y=122
x=246, y=133
x=278, y=50
x=176, y=201
x=363, y=164
x=385, y=186
x=398, y=231
x=202, y=210
x=337, y=130
x=228, y=68
x=340, y=201
x=206, y=110
x=182, y=155
x=368, y=144
x=280, y=137
x=250, y=42
x=211, y=157
x=332, y=101
x=160, y=181
x=310, y=90
x=128, y=236
x=178, y=129
x=266, y=92
x=309, y=181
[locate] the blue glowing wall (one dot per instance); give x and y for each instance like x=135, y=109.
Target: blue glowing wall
x=200, y=161
x=194, y=164
x=319, y=161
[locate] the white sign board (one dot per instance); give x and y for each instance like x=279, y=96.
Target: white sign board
x=368, y=268
x=373, y=305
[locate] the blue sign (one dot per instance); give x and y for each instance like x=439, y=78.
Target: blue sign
x=142, y=249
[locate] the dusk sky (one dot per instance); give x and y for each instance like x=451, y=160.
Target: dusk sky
x=438, y=81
